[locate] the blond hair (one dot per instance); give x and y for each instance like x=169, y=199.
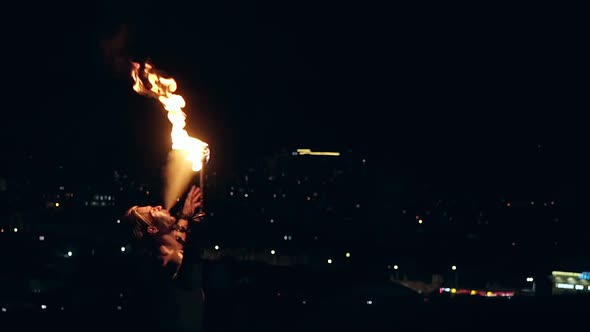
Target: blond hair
x=139, y=223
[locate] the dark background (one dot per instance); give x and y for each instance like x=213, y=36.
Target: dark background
x=479, y=105
x=474, y=90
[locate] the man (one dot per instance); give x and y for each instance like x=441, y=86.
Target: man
x=168, y=273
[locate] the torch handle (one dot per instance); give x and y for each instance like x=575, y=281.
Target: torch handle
x=200, y=216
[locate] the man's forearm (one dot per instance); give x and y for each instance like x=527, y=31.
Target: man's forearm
x=183, y=228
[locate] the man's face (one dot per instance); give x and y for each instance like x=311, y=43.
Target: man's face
x=159, y=216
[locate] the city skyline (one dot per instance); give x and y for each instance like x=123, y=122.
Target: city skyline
x=351, y=191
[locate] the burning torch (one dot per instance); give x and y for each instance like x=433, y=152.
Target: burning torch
x=200, y=216
x=149, y=82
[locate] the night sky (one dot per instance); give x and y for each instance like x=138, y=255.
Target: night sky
x=491, y=94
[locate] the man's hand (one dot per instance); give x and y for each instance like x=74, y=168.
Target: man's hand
x=193, y=200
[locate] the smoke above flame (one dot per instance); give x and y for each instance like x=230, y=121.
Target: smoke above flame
x=184, y=147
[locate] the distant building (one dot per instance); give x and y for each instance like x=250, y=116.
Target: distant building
x=423, y=287
x=565, y=283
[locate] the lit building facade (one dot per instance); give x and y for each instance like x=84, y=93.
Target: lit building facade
x=566, y=283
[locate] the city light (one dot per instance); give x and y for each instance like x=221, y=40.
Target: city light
x=454, y=267
x=565, y=286
x=316, y=153
x=484, y=293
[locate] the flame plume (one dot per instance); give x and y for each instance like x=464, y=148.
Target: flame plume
x=148, y=82
x=163, y=89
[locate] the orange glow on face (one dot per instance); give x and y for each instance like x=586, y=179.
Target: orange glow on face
x=163, y=89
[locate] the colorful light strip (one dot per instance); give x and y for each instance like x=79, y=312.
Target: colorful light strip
x=476, y=292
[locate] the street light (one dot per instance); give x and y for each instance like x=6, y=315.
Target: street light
x=534, y=286
x=455, y=275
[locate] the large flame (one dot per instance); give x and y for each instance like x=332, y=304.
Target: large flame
x=163, y=89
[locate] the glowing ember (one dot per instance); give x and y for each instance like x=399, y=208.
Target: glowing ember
x=163, y=89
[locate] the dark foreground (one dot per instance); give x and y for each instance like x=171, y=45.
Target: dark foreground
x=289, y=300
x=339, y=314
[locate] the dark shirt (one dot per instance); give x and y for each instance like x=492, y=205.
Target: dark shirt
x=164, y=303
